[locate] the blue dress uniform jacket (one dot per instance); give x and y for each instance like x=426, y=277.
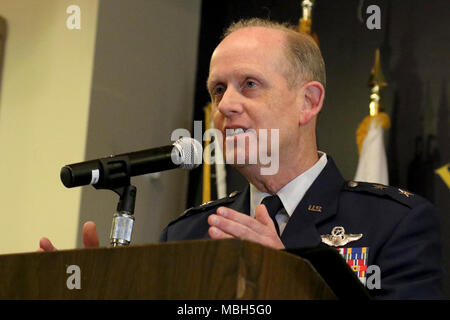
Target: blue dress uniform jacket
x=400, y=230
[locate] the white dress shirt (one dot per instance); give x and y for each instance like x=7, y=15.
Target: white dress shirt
x=291, y=194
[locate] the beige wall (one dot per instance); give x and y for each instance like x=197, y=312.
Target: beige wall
x=44, y=106
x=142, y=89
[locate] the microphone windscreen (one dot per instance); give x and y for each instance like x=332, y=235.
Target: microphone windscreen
x=190, y=153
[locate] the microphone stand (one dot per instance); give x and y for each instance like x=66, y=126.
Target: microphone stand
x=116, y=177
x=123, y=219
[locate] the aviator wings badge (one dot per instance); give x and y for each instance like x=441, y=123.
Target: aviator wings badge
x=338, y=237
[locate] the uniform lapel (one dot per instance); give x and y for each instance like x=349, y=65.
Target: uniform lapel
x=241, y=204
x=319, y=204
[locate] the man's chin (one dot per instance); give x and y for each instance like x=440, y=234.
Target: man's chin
x=240, y=159
x=241, y=166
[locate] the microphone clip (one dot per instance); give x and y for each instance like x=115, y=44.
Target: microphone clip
x=116, y=173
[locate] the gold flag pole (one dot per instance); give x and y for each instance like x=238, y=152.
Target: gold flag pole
x=206, y=164
x=376, y=83
x=305, y=22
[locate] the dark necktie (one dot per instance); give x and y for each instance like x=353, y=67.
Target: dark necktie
x=273, y=205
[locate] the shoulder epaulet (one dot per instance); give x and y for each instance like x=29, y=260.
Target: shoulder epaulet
x=397, y=194
x=207, y=206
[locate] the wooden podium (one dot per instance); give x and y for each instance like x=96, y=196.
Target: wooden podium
x=204, y=269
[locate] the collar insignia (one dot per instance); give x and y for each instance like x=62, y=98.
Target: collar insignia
x=315, y=208
x=379, y=186
x=338, y=237
x=405, y=193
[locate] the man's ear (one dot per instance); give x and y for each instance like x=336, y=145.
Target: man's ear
x=313, y=94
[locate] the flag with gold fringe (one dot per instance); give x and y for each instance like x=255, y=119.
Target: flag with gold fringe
x=372, y=164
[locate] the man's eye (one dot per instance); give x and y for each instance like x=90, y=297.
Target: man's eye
x=250, y=84
x=218, y=90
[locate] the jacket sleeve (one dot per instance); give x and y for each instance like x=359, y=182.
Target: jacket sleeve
x=163, y=236
x=411, y=259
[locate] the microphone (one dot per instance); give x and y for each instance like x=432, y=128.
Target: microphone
x=185, y=153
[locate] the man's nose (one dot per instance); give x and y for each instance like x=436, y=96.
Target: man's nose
x=231, y=103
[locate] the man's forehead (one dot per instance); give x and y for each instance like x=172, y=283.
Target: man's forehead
x=250, y=43
x=254, y=36
x=254, y=49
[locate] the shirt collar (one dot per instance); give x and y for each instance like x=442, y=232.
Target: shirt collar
x=292, y=193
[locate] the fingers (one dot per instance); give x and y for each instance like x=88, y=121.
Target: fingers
x=241, y=218
x=228, y=223
x=45, y=245
x=90, y=236
x=90, y=239
x=262, y=215
x=216, y=233
x=228, y=226
x=238, y=224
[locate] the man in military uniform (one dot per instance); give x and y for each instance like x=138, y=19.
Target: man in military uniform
x=266, y=76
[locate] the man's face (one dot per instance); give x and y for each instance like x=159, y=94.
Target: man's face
x=248, y=87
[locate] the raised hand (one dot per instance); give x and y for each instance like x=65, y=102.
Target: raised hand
x=228, y=223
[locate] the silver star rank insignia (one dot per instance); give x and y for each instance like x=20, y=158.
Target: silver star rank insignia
x=405, y=193
x=379, y=186
x=338, y=237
